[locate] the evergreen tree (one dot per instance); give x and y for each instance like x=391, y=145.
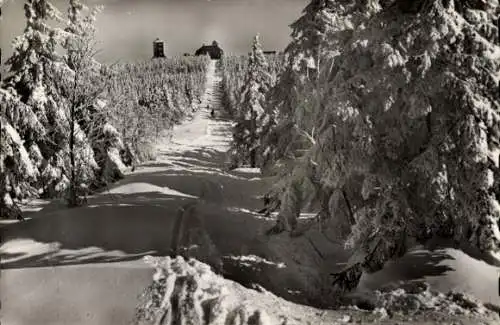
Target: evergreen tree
x=30, y=77
x=81, y=90
x=303, y=55
x=12, y=152
x=17, y=169
x=257, y=84
x=412, y=126
x=295, y=107
x=404, y=132
x=318, y=36
x=22, y=126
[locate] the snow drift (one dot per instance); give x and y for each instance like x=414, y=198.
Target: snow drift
x=188, y=292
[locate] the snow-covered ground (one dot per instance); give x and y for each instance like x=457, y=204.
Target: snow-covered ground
x=84, y=265
x=188, y=292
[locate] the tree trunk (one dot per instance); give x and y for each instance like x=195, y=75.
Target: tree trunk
x=253, y=138
x=8, y=208
x=252, y=158
x=352, y=220
x=73, y=197
x=72, y=187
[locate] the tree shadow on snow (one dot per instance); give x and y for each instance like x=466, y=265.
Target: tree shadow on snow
x=132, y=224
x=196, y=158
x=415, y=265
x=194, y=172
x=199, y=173
x=135, y=217
x=256, y=274
x=464, y=247
x=121, y=227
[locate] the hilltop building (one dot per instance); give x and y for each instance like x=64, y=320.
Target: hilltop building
x=213, y=50
x=158, y=48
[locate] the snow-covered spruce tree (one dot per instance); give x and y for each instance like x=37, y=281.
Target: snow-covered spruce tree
x=302, y=57
x=77, y=85
x=317, y=37
x=84, y=90
x=22, y=125
x=257, y=84
x=295, y=105
x=17, y=169
x=34, y=56
x=413, y=119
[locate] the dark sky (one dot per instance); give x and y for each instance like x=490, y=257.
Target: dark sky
x=126, y=28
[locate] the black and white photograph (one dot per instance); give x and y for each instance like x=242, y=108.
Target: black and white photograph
x=249, y=162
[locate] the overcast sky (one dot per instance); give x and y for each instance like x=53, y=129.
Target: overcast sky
x=126, y=28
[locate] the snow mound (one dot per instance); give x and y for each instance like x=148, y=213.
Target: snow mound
x=114, y=167
x=188, y=292
x=18, y=249
x=412, y=297
x=147, y=188
x=249, y=260
x=247, y=170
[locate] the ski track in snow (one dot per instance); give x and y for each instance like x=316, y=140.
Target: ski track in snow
x=84, y=266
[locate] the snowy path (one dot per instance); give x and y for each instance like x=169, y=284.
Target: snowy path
x=83, y=266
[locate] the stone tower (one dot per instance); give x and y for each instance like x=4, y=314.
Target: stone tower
x=158, y=48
